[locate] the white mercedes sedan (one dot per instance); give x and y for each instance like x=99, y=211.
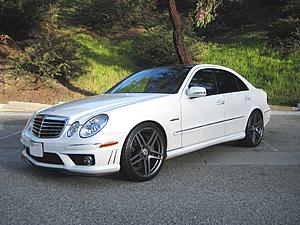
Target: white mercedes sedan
x=150, y=116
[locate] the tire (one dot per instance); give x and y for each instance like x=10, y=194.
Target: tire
x=254, y=130
x=143, y=153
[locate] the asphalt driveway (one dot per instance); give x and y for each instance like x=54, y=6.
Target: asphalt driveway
x=224, y=184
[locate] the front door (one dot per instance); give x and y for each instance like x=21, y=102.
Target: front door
x=203, y=118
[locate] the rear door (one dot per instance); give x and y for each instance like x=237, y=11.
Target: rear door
x=237, y=98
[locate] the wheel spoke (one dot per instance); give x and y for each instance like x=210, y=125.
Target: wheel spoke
x=254, y=137
x=136, y=161
x=258, y=124
x=155, y=152
x=154, y=157
x=136, y=156
x=152, y=139
x=141, y=139
x=146, y=166
x=258, y=133
x=149, y=166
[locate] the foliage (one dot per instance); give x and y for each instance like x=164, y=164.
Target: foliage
x=155, y=48
x=286, y=42
x=285, y=35
x=103, y=50
x=52, y=54
x=206, y=11
x=107, y=61
x=260, y=64
x=19, y=17
x=106, y=16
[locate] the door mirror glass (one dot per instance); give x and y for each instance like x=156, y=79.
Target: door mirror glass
x=196, y=92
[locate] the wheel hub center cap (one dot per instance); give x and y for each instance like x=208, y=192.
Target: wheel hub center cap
x=145, y=152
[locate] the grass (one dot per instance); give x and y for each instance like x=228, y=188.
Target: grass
x=264, y=68
x=109, y=61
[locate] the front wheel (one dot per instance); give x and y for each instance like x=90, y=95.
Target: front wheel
x=254, y=130
x=143, y=153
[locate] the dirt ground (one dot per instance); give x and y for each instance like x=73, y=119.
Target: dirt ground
x=21, y=87
x=17, y=88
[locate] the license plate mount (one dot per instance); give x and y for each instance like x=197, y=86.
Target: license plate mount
x=36, y=149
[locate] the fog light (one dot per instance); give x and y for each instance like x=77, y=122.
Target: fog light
x=88, y=160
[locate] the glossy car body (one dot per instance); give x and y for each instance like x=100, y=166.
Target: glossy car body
x=187, y=123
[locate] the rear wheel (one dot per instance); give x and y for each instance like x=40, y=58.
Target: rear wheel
x=143, y=153
x=254, y=130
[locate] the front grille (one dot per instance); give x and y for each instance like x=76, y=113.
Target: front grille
x=50, y=158
x=48, y=126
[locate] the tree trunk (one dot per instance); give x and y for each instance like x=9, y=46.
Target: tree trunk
x=178, y=34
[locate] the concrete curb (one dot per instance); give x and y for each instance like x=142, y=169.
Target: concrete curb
x=14, y=106
x=285, y=113
x=16, y=114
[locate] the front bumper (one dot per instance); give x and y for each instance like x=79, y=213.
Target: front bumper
x=106, y=159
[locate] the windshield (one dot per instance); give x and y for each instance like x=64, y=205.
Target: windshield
x=165, y=80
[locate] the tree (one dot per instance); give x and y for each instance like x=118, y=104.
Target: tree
x=205, y=13
x=178, y=34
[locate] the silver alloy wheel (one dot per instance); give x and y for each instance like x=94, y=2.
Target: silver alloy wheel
x=256, y=128
x=146, y=152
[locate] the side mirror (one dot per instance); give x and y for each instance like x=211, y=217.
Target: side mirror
x=196, y=92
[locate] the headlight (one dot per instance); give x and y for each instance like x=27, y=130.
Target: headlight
x=28, y=125
x=93, y=126
x=73, y=128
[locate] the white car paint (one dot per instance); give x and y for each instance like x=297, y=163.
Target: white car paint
x=175, y=113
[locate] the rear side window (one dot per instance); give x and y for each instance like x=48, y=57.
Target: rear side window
x=205, y=78
x=226, y=81
x=241, y=84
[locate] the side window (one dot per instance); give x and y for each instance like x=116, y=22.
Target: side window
x=241, y=84
x=226, y=81
x=205, y=78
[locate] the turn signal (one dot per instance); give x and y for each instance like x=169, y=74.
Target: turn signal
x=107, y=144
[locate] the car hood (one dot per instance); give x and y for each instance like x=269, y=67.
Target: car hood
x=97, y=104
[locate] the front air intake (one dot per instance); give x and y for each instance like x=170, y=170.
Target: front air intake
x=48, y=126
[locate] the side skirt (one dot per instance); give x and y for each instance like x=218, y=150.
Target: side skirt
x=181, y=151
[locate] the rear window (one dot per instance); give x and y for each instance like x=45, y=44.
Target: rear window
x=226, y=81
x=241, y=84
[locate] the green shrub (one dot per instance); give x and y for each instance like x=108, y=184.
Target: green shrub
x=106, y=16
x=155, y=48
x=51, y=55
x=19, y=17
x=285, y=38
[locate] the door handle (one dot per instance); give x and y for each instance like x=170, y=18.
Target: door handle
x=247, y=98
x=220, y=102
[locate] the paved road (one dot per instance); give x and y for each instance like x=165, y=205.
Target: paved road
x=224, y=184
